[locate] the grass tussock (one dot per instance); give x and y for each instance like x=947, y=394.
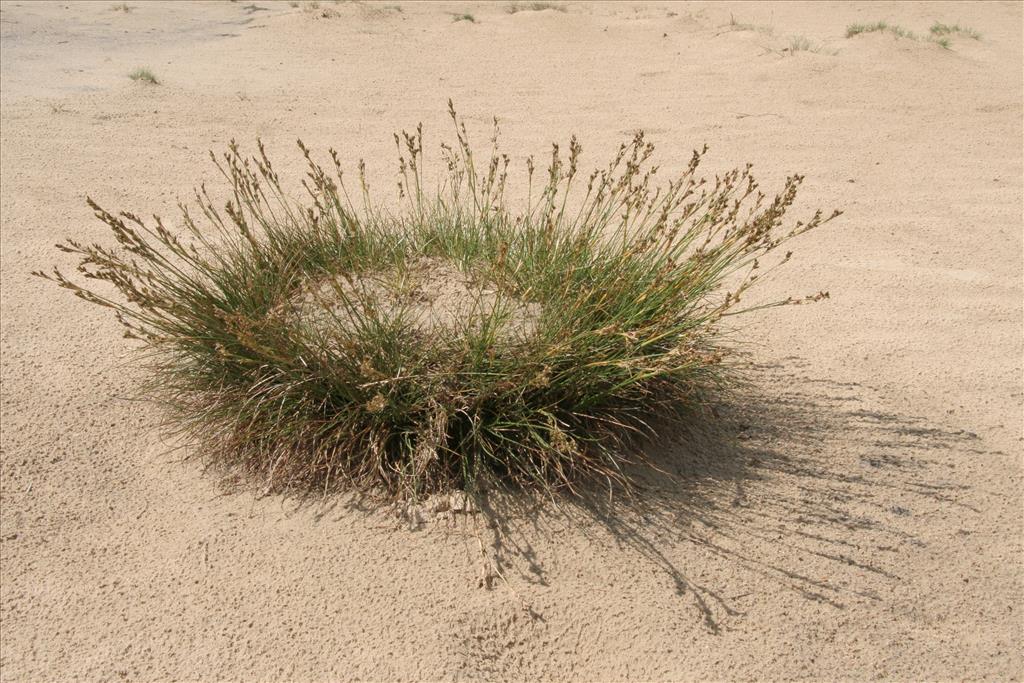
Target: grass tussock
x=464, y=17
x=458, y=340
x=940, y=29
x=122, y=7
x=517, y=7
x=144, y=75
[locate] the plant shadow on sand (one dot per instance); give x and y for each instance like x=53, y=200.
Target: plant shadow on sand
x=810, y=489
x=802, y=485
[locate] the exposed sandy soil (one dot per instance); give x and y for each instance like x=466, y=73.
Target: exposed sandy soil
x=866, y=522
x=434, y=295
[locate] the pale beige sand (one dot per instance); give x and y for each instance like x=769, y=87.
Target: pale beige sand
x=868, y=525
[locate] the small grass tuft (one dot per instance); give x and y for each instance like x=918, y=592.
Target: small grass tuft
x=122, y=7
x=517, y=7
x=464, y=17
x=455, y=340
x=940, y=29
x=144, y=75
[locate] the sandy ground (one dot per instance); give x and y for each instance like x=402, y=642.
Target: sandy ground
x=866, y=524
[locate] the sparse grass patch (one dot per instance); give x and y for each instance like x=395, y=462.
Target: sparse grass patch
x=879, y=26
x=735, y=25
x=516, y=7
x=316, y=10
x=857, y=29
x=901, y=32
x=940, y=29
x=122, y=7
x=799, y=44
x=144, y=75
x=464, y=17
x=374, y=10
x=452, y=341
x=938, y=33
x=804, y=44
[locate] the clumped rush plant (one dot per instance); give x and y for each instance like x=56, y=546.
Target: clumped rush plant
x=286, y=338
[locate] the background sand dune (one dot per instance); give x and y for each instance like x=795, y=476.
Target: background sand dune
x=867, y=521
